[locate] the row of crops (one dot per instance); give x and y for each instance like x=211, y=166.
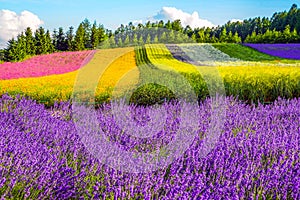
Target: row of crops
x=248, y=80
x=256, y=155
x=251, y=82
x=216, y=148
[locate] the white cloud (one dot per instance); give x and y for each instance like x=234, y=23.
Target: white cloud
x=136, y=22
x=236, y=20
x=11, y=24
x=172, y=13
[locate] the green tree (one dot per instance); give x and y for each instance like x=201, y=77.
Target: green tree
x=223, y=36
x=155, y=39
x=148, y=39
x=11, y=52
x=120, y=42
x=168, y=25
x=237, y=38
x=163, y=37
x=135, y=39
x=294, y=36
x=61, y=44
x=102, y=33
x=21, y=47
x=79, y=38
x=112, y=42
x=30, y=47
x=141, y=40
x=201, y=36
x=287, y=34
x=86, y=25
x=126, y=41
x=40, y=41
x=176, y=25
x=171, y=37
x=70, y=39
x=49, y=47
x=95, y=37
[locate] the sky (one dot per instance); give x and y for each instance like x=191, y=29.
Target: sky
x=16, y=15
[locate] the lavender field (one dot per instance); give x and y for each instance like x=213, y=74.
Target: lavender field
x=255, y=157
x=289, y=51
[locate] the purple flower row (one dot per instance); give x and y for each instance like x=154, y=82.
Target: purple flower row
x=289, y=51
x=256, y=155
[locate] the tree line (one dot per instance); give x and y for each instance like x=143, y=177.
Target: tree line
x=27, y=43
x=282, y=27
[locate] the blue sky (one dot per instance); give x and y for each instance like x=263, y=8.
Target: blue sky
x=111, y=13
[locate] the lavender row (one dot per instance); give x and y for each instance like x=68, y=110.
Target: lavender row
x=289, y=51
x=256, y=155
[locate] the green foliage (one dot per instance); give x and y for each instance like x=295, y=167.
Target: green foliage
x=150, y=94
x=79, y=38
x=30, y=47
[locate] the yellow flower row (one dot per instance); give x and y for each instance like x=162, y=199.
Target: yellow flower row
x=249, y=81
x=109, y=65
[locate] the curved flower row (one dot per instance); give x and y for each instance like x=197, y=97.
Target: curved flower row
x=48, y=89
x=45, y=65
x=256, y=156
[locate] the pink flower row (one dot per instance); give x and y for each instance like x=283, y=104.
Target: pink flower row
x=45, y=65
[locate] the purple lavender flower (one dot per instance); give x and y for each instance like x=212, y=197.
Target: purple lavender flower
x=289, y=51
x=256, y=156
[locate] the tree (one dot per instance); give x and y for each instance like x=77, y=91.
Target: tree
x=176, y=25
x=294, y=36
x=40, y=38
x=171, y=36
x=163, y=37
x=201, y=36
x=135, y=39
x=10, y=53
x=168, y=25
x=119, y=43
x=86, y=25
x=61, y=44
x=112, y=42
x=237, y=38
x=155, y=39
x=141, y=40
x=223, y=36
x=30, y=47
x=95, y=39
x=79, y=38
x=148, y=39
x=54, y=38
x=102, y=34
x=49, y=48
x=21, y=47
x=286, y=36
x=70, y=39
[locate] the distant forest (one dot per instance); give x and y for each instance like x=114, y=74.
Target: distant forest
x=282, y=27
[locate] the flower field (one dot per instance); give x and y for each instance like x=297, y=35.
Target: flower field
x=248, y=151
x=248, y=81
x=256, y=156
x=289, y=51
x=45, y=65
x=48, y=89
